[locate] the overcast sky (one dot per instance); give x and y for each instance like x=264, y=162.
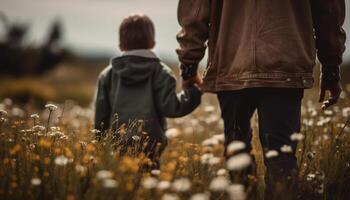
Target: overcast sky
x=92, y=25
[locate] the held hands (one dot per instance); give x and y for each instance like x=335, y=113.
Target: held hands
x=196, y=80
x=334, y=89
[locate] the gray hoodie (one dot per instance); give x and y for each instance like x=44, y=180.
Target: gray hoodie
x=138, y=86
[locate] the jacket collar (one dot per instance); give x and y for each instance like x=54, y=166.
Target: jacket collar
x=141, y=52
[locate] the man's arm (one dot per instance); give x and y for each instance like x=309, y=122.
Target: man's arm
x=329, y=17
x=193, y=17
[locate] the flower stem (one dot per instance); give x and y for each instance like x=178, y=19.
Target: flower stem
x=48, y=122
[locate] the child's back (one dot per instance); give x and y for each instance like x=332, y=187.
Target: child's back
x=137, y=88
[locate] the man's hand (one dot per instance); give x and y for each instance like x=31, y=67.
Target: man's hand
x=334, y=89
x=196, y=80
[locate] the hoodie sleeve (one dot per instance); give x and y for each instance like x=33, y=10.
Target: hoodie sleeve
x=171, y=104
x=102, y=105
x=328, y=17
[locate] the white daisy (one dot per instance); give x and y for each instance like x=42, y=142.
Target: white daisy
x=170, y=197
x=236, y=192
x=164, y=185
x=95, y=131
x=235, y=146
x=3, y=113
x=136, y=138
x=214, y=161
x=210, y=142
x=104, y=174
x=200, y=196
x=34, y=116
x=61, y=160
x=38, y=128
x=271, y=154
x=219, y=137
x=35, y=181
x=239, y=161
x=110, y=183
x=221, y=172
x=297, y=137
x=155, y=172
x=150, y=183
x=206, y=157
x=209, y=108
x=286, y=149
x=181, y=185
x=51, y=106
x=219, y=183
x=172, y=133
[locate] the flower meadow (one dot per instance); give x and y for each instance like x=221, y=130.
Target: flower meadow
x=52, y=153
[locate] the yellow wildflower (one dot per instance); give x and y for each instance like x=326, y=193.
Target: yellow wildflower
x=58, y=151
x=183, y=159
x=70, y=197
x=90, y=148
x=129, y=186
x=36, y=157
x=166, y=176
x=171, y=166
x=69, y=153
x=86, y=158
x=14, y=185
x=15, y=149
x=129, y=164
x=45, y=143
x=6, y=161
x=47, y=161
x=196, y=157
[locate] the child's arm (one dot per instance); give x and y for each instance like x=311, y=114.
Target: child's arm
x=171, y=104
x=102, y=106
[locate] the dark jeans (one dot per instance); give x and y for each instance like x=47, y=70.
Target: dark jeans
x=279, y=112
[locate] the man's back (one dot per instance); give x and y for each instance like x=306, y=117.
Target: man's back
x=261, y=43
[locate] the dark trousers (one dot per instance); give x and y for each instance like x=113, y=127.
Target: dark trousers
x=279, y=112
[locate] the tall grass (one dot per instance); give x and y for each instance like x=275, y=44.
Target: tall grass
x=56, y=156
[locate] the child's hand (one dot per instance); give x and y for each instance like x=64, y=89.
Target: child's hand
x=196, y=80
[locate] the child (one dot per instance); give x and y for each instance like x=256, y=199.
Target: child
x=138, y=87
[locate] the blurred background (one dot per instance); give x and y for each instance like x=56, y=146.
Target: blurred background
x=55, y=49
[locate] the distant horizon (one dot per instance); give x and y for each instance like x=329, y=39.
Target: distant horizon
x=91, y=26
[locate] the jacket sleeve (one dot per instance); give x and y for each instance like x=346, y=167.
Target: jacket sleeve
x=193, y=17
x=102, y=106
x=329, y=17
x=169, y=103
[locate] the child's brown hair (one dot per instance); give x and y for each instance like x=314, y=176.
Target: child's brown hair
x=136, y=32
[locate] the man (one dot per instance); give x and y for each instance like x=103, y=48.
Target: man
x=261, y=56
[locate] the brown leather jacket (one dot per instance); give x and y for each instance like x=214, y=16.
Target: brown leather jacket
x=261, y=43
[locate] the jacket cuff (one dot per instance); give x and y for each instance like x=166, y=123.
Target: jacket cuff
x=194, y=94
x=188, y=71
x=194, y=90
x=330, y=74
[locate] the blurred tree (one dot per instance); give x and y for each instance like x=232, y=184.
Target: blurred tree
x=52, y=51
x=17, y=58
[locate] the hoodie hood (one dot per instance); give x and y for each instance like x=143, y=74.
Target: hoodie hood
x=134, y=67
